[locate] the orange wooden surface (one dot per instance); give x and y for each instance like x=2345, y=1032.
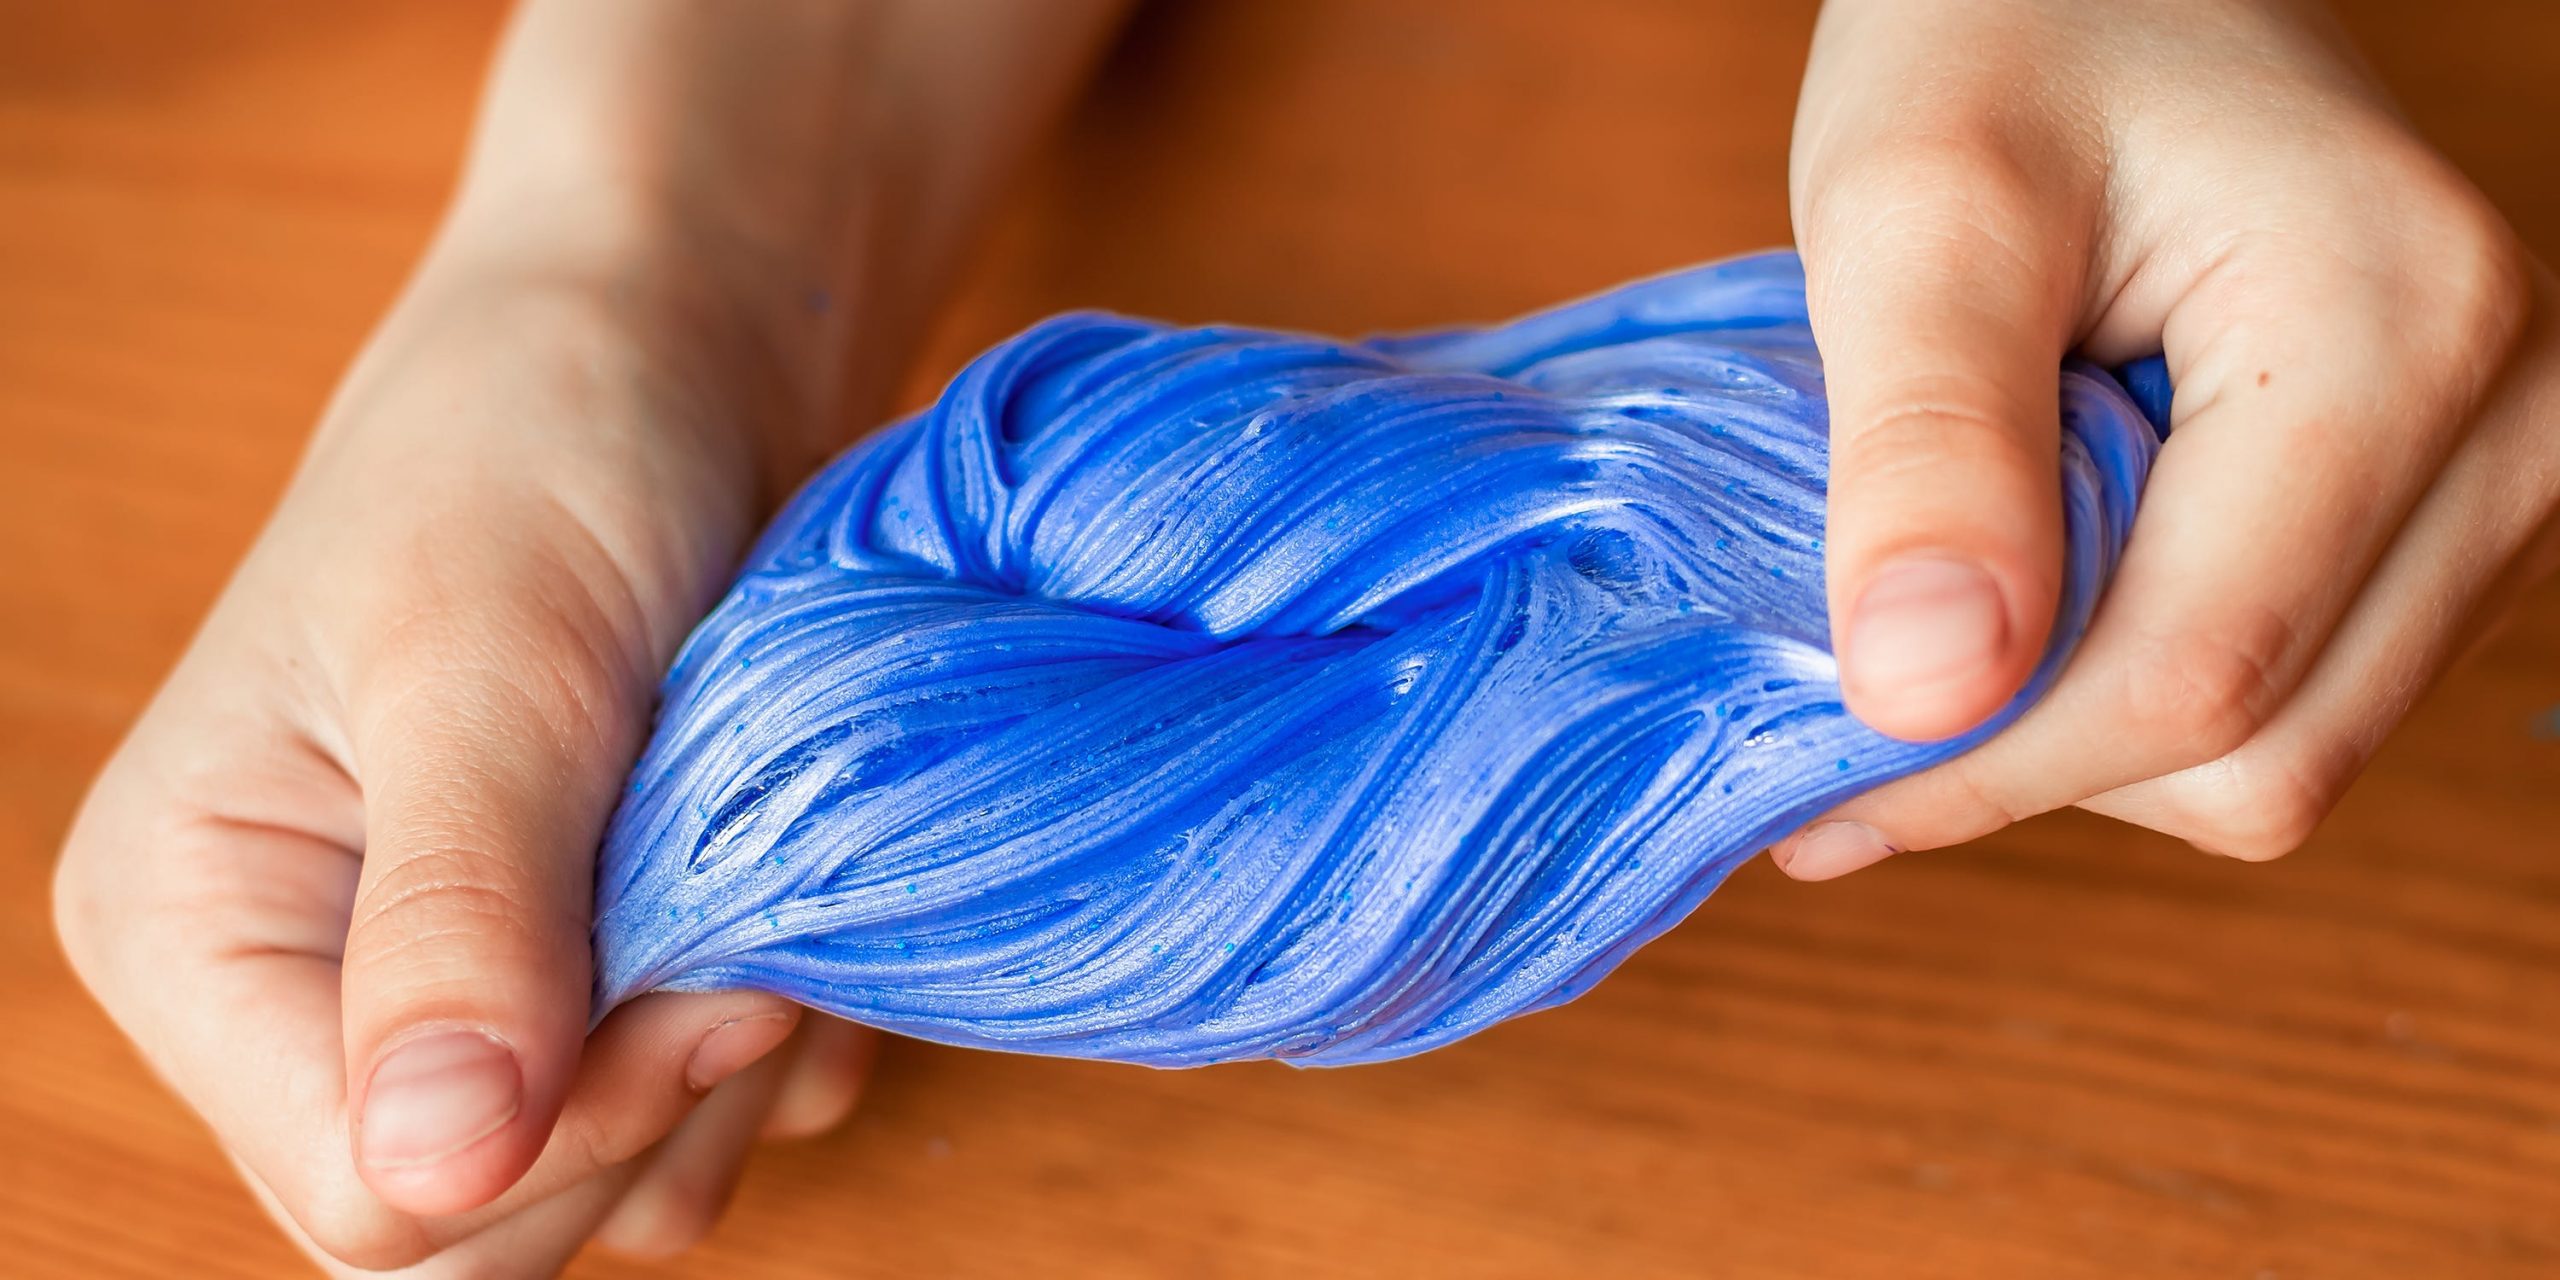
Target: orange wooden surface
x=2070, y=1050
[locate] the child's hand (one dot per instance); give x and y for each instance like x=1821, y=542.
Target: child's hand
x=336, y=883
x=2365, y=463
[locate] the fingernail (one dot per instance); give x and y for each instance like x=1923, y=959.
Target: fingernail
x=732, y=1046
x=1830, y=849
x=436, y=1095
x=1923, y=621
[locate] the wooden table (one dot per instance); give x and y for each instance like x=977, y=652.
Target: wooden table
x=2070, y=1050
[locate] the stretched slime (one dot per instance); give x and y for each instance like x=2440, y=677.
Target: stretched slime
x=1177, y=695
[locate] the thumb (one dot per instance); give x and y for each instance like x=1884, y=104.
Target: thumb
x=488, y=740
x=1942, y=287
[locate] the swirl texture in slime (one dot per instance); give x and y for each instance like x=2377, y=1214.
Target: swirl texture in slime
x=1176, y=695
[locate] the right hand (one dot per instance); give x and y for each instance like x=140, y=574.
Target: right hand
x=336, y=883
x=2362, y=473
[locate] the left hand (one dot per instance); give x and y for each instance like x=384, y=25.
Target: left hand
x=2365, y=465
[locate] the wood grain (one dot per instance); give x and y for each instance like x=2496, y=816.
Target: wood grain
x=2070, y=1050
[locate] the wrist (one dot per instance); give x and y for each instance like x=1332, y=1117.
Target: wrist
x=747, y=327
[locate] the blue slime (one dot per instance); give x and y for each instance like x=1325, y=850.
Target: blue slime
x=1177, y=695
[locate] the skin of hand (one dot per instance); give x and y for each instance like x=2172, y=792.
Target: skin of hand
x=336, y=882
x=2363, y=466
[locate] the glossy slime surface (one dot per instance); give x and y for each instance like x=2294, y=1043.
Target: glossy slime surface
x=1176, y=695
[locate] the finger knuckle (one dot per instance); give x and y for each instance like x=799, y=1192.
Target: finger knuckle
x=589, y=1139
x=668, y=1220
x=81, y=906
x=442, y=671
x=2464, y=255
x=433, y=899
x=472, y=1264
x=818, y=1105
x=1932, y=178
x=2483, y=274
x=2251, y=806
x=535, y=644
x=810, y=1119
x=349, y=1224
x=1930, y=424
x=2431, y=256
x=2194, y=696
x=1984, y=806
x=85, y=899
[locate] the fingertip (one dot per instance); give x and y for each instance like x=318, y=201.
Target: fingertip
x=670, y=1211
x=826, y=1080
x=1932, y=647
x=734, y=1044
x=1829, y=850
x=442, y=1126
x=687, y=1183
x=708, y=1035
